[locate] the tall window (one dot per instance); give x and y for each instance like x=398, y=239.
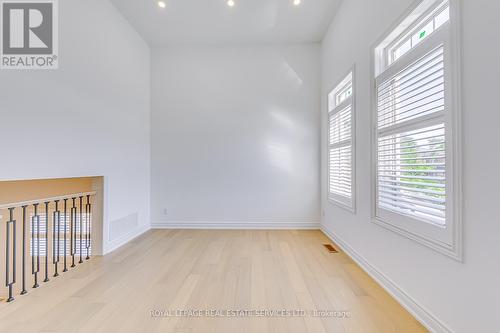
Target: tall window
x=416, y=117
x=341, y=143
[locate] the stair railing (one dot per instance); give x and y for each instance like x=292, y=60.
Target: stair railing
x=60, y=227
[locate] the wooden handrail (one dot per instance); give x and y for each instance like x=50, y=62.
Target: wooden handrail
x=30, y=202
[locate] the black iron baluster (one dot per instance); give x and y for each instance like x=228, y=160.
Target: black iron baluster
x=73, y=233
x=65, y=233
x=81, y=229
x=46, y=242
x=56, y=238
x=35, y=269
x=88, y=212
x=24, y=291
x=10, y=279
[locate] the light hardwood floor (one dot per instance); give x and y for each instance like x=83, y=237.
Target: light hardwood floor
x=219, y=270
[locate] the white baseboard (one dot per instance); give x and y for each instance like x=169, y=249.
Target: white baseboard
x=432, y=323
x=235, y=225
x=122, y=240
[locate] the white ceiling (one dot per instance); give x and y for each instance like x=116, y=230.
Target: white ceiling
x=214, y=22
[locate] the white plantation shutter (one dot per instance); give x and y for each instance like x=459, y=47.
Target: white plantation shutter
x=412, y=173
x=340, y=144
x=64, y=228
x=340, y=126
x=411, y=145
x=340, y=171
x=416, y=123
x=416, y=91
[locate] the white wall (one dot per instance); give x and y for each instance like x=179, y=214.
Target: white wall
x=462, y=296
x=91, y=117
x=235, y=136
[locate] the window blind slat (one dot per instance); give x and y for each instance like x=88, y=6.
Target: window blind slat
x=433, y=56
x=415, y=195
x=340, y=171
x=421, y=76
x=411, y=163
x=340, y=140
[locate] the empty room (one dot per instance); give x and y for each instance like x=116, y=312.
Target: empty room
x=259, y=166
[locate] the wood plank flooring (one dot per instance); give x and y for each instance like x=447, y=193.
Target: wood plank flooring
x=132, y=289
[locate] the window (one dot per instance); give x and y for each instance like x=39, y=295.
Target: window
x=41, y=242
x=341, y=143
x=424, y=28
x=416, y=121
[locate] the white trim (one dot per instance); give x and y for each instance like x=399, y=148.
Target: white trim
x=431, y=322
x=235, y=225
x=457, y=131
x=442, y=248
x=333, y=198
x=124, y=239
x=429, y=14
x=396, y=31
x=453, y=246
x=341, y=204
x=426, y=46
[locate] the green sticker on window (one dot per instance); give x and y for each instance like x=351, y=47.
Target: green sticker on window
x=422, y=34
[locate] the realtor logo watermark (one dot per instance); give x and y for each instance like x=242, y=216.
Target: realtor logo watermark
x=29, y=36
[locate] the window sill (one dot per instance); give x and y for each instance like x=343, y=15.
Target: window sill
x=342, y=205
x=454, y=251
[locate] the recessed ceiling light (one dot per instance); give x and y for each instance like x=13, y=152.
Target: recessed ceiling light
x=230, y=3
x=162, y=4
x=296, y=2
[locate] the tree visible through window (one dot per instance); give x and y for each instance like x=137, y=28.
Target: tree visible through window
x=416, y=128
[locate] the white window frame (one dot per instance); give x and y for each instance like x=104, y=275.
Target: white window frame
x=343, y=202
x=429, y=16
x=448, y=239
